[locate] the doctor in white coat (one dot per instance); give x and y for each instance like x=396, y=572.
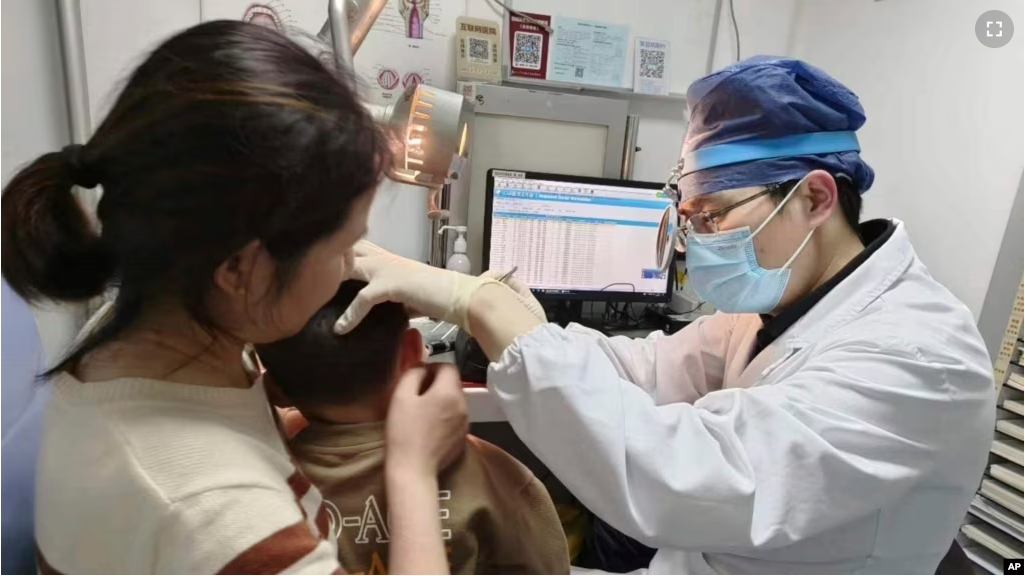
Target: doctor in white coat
x=832, y=417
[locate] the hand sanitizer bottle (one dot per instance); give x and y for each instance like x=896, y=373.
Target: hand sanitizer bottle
x=458, y=261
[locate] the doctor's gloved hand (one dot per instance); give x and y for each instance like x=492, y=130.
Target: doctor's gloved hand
x=435, y=292
x=520, y=289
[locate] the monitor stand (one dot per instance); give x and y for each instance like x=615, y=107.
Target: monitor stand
x=565, y=311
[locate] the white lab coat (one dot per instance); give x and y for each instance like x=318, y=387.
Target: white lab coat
x=853, y=443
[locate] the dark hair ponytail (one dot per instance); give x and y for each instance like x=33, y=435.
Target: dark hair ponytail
x=227, y=133
x=50, y=248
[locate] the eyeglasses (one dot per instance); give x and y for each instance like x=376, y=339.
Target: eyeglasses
x=671, y=237
x=704, y=222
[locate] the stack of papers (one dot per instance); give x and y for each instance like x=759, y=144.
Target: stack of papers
x=1009, y=448
x=998, y=516
x=1004, y=495
x=993, y=539
x=1012, y=427
x=1010, y=474
x=986, y=558
x=1015, y=380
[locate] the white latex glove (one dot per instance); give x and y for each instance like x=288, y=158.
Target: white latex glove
x=435, y=292
x=522, y=290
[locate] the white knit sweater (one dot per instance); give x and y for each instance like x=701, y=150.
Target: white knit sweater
x=142, y=476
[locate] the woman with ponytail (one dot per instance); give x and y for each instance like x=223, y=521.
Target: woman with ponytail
x=237, y=172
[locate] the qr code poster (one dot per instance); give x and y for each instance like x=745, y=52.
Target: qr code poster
x=651, y=66
x=478, y=53
x=528, y=50
x=479, y=50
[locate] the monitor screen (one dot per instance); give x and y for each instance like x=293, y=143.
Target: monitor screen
x=575, y=236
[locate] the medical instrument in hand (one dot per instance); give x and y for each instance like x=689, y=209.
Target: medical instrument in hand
x=508, y=274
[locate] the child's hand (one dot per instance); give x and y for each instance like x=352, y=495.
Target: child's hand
x=426, y=429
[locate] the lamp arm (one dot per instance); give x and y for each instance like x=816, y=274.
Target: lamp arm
x=367, y=16
x=337, y=26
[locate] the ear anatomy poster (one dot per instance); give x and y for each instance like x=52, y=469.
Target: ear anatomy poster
x=411, y=42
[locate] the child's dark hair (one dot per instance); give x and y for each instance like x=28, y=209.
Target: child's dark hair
x=318, y=366
x=228, y=132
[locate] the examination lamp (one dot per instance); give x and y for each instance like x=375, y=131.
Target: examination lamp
x=433, y=124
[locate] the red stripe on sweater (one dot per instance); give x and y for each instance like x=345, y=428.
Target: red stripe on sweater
x=275, y=553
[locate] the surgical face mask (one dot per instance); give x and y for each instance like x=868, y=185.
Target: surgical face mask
x=724, y=270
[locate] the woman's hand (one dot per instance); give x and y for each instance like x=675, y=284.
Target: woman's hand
x=425, y=432
x=426, y=428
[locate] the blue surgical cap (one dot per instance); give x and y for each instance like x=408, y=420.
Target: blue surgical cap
x=769, y=119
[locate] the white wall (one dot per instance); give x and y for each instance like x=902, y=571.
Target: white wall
x=35, y=121
x=118, y=35
x=765, y=29
x=944, y=121
x=1007, y=274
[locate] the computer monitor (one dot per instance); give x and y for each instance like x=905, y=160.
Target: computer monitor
x=576, y=237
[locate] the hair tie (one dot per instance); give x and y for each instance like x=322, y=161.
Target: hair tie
x=82, y=173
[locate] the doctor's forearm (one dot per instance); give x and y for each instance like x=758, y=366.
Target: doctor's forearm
x=496, y=317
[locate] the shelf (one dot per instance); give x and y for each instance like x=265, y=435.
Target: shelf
x=995, y=528
x=589, y=90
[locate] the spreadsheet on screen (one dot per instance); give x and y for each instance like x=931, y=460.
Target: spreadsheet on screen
x=576, y=237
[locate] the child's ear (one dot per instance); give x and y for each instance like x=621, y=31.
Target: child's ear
x=411, y=350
